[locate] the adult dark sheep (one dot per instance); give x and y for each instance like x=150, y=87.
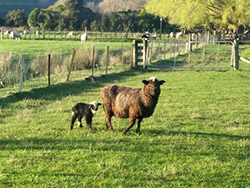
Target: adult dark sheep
x=132, y=103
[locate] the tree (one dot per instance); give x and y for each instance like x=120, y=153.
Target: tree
x=34, y=18
x=15, y=18
x=74, y=10
x=211, y=14
x=42, y=18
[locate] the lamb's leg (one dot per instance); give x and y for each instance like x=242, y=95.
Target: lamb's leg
x=74, y=116
x=139, y=126
x=131, y=123
x=80, y=121
x=88, y=122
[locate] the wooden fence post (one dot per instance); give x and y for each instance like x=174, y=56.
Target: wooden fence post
x=170, y=48
x=93, y=61
x=48, y=70
x=165, y=50
x=21, y=74
x=236, y=54
x=132, y=56
x=135, y=54
x=44, y=33
x=107, y=61
x=2, y=32
x=158, y=51
x=122, y=57
x=190, y=44
x=71, y=63
x=145, y=53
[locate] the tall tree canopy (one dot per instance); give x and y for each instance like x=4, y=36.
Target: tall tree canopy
x=15, y=18
x=210, y=14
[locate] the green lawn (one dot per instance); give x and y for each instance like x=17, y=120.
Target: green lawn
x=199, y=135
x=32, y=48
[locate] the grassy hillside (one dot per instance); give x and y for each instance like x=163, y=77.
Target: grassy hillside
x=27, y=5
x=197, y=137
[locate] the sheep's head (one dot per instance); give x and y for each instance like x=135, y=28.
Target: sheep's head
x=152, y=86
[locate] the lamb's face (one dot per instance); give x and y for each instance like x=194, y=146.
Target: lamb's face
x=94, y=106
x=152, y=86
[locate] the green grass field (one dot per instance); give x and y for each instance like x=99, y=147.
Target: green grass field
x=199, y=135
x=32, y=48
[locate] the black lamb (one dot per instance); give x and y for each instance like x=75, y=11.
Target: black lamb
x=84, y=109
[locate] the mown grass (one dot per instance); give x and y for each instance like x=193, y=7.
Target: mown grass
x=199, y=135
x=32, y=48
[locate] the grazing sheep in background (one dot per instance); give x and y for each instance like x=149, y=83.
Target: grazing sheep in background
x=132, y=103
x=83, y=109
x=146, y=35
x=84, y=37
x=71, y=33
x=172, y=35
x=26, y=32
x=7, y=32
x=15, y=35
x=179, y=35
x=38, y=32
x=193, y=36
x=149, y=37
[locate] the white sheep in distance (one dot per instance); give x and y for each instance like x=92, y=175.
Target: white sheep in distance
x=172, y=35
x=84, y=37
x=179, y=35
x=71, y=33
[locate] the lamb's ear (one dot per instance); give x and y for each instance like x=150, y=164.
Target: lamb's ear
x=162, y=82
x=99, y=104
x=145, y=82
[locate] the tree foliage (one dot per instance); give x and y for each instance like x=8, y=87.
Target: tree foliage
x=210, y=14
x=71, y=15
x=15, y=18
x=133, y=21
x=45, y=19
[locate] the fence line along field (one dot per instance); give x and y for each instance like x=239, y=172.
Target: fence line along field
x=197, y=137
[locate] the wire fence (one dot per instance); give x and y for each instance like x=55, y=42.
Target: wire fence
x=21, y=73
x=56, y=68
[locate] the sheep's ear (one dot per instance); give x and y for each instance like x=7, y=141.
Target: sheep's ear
x=162, y=82
x=99, y=104
x=145, y=82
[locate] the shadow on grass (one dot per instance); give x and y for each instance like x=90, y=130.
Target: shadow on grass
x=132, y=145
x=201, y=134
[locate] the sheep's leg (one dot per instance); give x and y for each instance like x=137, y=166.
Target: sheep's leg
x=74, y=116
x=108, y=123
x=88, y=122
x=131, y=123
x=139, y=126
x=80, y=121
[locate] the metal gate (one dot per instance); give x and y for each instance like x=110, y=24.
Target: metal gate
x=173, y=54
